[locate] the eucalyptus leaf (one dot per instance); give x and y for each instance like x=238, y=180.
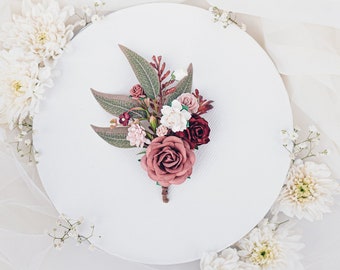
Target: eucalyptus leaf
x=183, y=86
x=114, y=136
x=145, y=73
x=118, y=104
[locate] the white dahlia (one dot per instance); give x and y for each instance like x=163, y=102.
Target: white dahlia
x=22, y=83
x=270, y=246
x=227, y=260
x=41, y=29
x=308, y=192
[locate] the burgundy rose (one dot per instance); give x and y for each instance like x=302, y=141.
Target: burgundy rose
x=197, y=133
x=124, y=118
x=137, y=91
x=168, y=160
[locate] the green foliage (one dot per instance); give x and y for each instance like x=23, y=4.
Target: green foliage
x=114, y=136
x=118, y=104
x=145, y=73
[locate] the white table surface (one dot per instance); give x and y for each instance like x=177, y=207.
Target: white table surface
x=306, y=55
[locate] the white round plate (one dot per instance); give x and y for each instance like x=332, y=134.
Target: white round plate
x=237, y=176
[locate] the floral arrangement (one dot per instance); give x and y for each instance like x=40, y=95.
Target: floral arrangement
x=31, y=44
x=160, y=114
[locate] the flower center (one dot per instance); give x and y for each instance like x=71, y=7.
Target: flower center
x=42, y=37
x=303, y=189
x=263, y=253
x=16, y=86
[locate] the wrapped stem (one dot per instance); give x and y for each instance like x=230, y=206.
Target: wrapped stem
x=165, y=194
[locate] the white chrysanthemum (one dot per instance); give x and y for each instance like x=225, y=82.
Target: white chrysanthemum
x=271, y=246
x=41, y=29
x=137, y=135
x=308, y=192
x=227, y=260
x=22, y=83
x=175, y=117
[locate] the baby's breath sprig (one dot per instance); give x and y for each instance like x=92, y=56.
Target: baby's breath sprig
x=69, y=228
x=304, y=148
x=226, y=18
x=91, y=13
x=22, y=134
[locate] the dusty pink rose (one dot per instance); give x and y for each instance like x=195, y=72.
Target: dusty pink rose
x=168, y=160
x=137, y=91
x=190, y=101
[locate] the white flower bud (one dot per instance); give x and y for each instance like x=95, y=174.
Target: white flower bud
x=179, y=74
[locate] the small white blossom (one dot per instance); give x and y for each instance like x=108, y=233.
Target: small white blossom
x=325, y=152
x=99, y=3
x=18, y=138
x=175, y=117
x=313, y=129
x=28, y=142
x=96, y=18
x=36, y=157
x=161, y=131
x=297, y=128
x=81, y=220
x=59, y=221
x=87, y=10
x=285, y=138
x=303, y=145
x=179, y=74
x=292, y=156
x=243, y=27
x=293, y=136
x=270, y=246
x=82, y=23
x=308, y=192
x=58, y=244
x=73, y=232
x=316, y=140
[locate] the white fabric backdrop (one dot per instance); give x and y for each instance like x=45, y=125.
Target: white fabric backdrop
x=304, y=45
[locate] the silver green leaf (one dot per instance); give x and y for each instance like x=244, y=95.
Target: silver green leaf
x=183, y=86
x=145, y=73
x=114, y=136
x=118, y=104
